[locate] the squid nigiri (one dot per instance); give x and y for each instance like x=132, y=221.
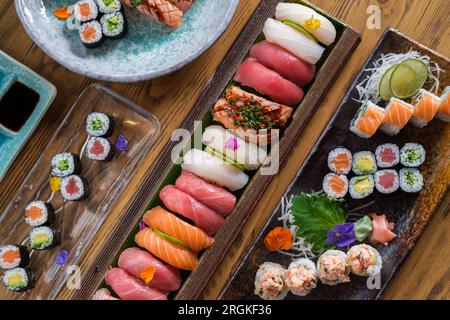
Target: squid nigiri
x=425, y=109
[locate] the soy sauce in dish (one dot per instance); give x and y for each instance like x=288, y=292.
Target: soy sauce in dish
x=17, y=105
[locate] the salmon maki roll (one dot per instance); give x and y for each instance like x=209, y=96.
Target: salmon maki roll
x=335, y=185
x=164, y=221
x=367, y=120
x=340, y=160
x=444, y=107
x=398, y=114
x=168, y=251
x=425, y=108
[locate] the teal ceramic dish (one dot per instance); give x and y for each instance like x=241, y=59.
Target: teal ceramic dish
x=149, y=49
x=11, y=71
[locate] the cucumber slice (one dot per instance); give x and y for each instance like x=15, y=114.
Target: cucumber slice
x=385, y=87
x=171, y=239
x=220, y=156
x=408, y=78
x=297, y=26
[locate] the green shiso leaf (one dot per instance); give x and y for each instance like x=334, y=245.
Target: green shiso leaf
x=315, y=215
x=171, y=239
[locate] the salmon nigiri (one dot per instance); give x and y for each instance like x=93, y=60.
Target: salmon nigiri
x=171, y=253
x=164, y=221
x=398, y=114
x=444, y=107
x=426, y=107
x=367, y=120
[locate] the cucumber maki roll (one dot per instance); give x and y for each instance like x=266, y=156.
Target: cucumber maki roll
x=109, y=6
x=99, y=149
x=85, y=10
x=43, y=238
x=13, y=256
x=19, y=279
x=412, y=155
x=114, y=25
x=65, y=164
x=91, y=35
x=411, y=180
x=38, y=213
x=99, y=124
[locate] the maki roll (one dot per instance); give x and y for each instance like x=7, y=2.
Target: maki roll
x=42, y=238
x=13, y=256
x=99, y=125
x=367, y=120
x=19, y=279
x=387, y=181
x=114, y=25
x=364, y=163
x=361, y=187
x=269, y=282
x=444, y=107
x=364, y=260
x=74, y=188
x=91, y=35
x=340, y=160
x=398, y=114
x=99, y=149
x=85, y=10
x=335, y=185
x=388, y=155
x=109, y=6
x=38, y=213
x=333, y=268
x=411, y=180
x=426, y=106
x=301, y=277
x=65, y=164
x=412, y=155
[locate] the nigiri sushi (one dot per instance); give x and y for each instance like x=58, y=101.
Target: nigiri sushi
x=134, y=261
x=203, y=217
x=253, y=74
x=293, y=41
x=164, y=221
x=168, y=251
x=213, y=169
x=283, y=62
x=214, y=197
x=426, y=106
x=163, y=10
x=444, y=107
x=398, y=114
x=367, y=120
x=307, y=20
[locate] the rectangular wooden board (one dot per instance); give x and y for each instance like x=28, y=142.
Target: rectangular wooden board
x=410, y=213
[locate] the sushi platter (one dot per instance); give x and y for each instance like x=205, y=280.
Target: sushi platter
x=153, y=241
x=70, y=191
x=374, y=179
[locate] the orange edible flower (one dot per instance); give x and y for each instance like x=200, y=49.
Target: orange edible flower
x=62, y=13
x=147, y=274
x=277, y=239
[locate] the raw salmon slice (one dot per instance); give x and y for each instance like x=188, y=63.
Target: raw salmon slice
x=371, y=120
x=341, y=163
x=337, y=184
x=398, y=114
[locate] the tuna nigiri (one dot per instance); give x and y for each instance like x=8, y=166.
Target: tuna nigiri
x=128, y=287
x=425, y=108
x=444, y=107
x=367, y=120
x=164, y=221
x=135, y=261
x=253, y=74
x=168, y=251
x=398, y=114
x=214, y=197
x=283, y=62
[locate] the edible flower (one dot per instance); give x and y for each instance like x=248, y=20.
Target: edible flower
x=121, y=143
x=62, y=257
x=142, y=225
x=312, y=24
x=277, y=239
x=341, y=235
x=55, y=183
x=147, y=274
x=363, y=228
x=232, y=144
x=63, y=13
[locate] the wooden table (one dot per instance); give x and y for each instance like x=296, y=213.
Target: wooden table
x=426, y=273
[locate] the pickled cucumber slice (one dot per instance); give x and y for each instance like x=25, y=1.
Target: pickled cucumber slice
x=385, y=86
x=408, y=78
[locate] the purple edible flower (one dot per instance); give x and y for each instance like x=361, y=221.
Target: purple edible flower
x=142, y=225
x=121, y=143
x=341, y=235
x=62, y=257
x=232, y=144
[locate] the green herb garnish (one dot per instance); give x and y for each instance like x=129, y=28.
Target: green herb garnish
x=171, y=239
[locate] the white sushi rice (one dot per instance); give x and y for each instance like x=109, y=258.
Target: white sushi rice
x=336, y=152
x=359, y=156
x=355, y=194
x=328, y=281
x=79, y=183
x=395, y=149
x=411, y=180
x=371, y=269
x=381, y=188
x=331, y=193
x=359, y=116
x=70, y=162
x=92, y=5
x=412, y=155
x=41, y=205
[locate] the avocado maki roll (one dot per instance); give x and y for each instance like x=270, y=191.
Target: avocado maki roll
x=91, y=35
x=65, y=164
x=361, y=187
x=74, y=188
x=42, y=238
x=19, y=279
x=411, y=180
x=38, y=213
x=364, y=162
x=99, y=124
x=99, y=149
x=13, y=256
x=109, y=6
x=412, y=155
x=114, y=25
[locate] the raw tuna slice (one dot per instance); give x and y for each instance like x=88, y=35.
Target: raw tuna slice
x=128, y=287
x=253, y=74
x=283, y=62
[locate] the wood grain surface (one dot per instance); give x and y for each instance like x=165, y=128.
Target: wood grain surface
x=426, y=273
